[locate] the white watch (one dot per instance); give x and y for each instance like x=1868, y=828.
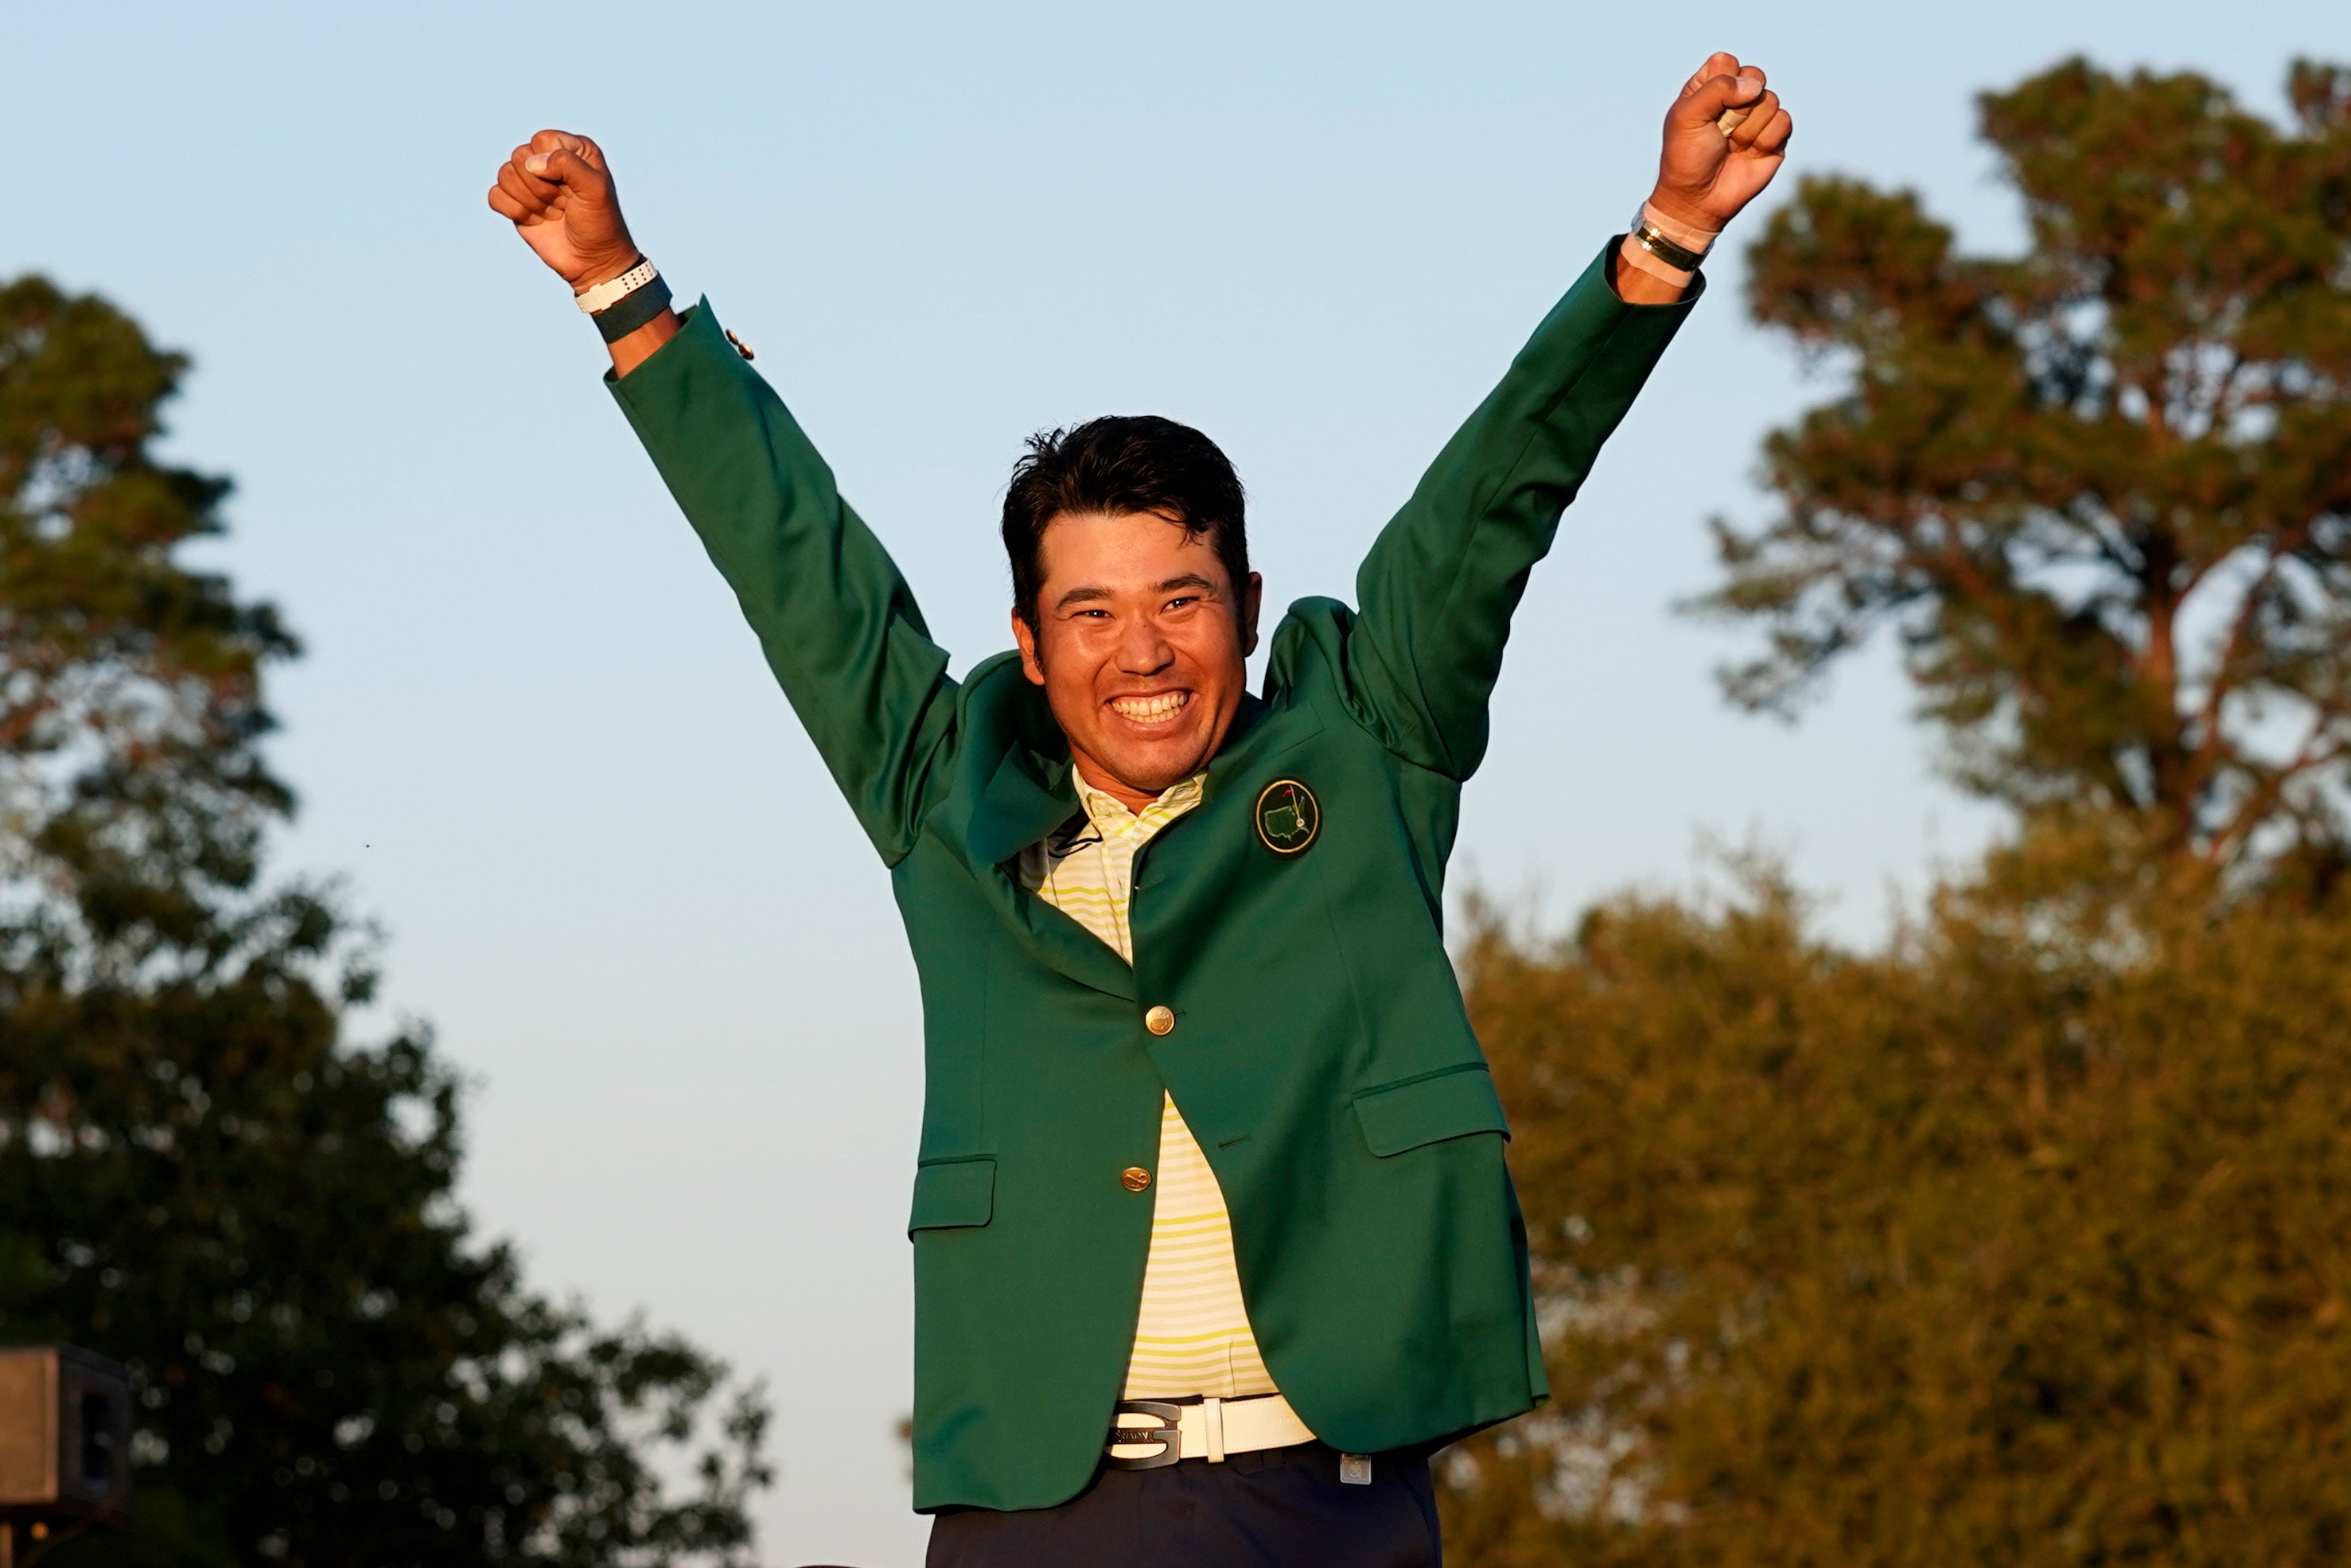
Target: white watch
x=611, y=292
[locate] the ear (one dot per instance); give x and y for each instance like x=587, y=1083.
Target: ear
x=1025, y=636
x=1252, y=599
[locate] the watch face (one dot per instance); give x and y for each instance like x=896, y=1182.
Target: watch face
x=1288, y=817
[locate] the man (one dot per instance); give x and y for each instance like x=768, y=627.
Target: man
x=1214, y=1241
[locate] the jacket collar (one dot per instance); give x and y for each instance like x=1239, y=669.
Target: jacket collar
x=1026, y=797
x=1034, y=788
x=1032, y=791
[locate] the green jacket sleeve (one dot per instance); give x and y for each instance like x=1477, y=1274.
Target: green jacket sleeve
x=836, y=621
x=1439, y=586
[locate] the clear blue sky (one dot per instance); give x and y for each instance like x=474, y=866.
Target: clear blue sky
x=530, y=729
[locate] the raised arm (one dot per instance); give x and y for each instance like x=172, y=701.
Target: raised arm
x=1440, y=584
x=559, y=195
x=836, y=621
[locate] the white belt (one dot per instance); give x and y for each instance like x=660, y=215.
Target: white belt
x=1148, y=1432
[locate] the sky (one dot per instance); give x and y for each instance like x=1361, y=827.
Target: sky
x=529, y=731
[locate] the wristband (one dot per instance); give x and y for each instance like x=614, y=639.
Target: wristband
x=613, y=290
x=1679, y=245
x=1689, y=236
x=641, y=307
x=1634, y=254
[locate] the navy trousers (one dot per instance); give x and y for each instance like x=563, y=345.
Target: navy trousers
x=1277, y=1508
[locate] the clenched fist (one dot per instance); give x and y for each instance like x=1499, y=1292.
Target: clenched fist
x=560, y=197
x=1705, y=176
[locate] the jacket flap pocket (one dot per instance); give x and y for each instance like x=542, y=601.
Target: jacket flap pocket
x=954, y=1193
x=1451, y=1103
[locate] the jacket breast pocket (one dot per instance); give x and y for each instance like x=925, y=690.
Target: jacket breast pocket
x=951, y=1194
x=1451, y=1102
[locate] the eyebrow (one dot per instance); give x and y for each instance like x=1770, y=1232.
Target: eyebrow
x=1088, y=595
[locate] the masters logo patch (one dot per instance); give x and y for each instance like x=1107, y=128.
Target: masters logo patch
x=1288, y=817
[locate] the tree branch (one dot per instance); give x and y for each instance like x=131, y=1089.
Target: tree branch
x=2265, y=795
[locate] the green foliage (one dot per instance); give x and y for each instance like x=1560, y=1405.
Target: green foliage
x=199, y=1175
x=130, y=686
x=2102, y=491
x=2003, y=1248
x=2026, y=1241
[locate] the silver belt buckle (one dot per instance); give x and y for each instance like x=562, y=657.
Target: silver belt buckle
x=1137, y=1422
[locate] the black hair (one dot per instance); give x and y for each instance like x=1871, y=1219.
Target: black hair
x=1119, y=464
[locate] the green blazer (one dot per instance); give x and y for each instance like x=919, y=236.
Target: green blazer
x=1321, y=1051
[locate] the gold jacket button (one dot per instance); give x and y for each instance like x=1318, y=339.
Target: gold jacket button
x=1160, y=1019
x=1134, y=1177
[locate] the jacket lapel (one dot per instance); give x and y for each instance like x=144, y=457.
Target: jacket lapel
x=1026, y=798
x=1023, y=800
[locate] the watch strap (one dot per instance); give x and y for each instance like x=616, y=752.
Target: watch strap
x=1666, y=248
x=613, y=290
x=640, y=306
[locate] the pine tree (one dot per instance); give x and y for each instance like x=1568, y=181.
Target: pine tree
x=200, y=1174
x=2101, y=491
x=2023, y=1242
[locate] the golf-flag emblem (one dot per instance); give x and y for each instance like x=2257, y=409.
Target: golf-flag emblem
x=1288, y=817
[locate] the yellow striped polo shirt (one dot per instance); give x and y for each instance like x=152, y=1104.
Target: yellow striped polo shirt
x=1192, y=1334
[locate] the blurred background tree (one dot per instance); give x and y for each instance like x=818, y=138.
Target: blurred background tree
x=1982, y=1252
x=2101, y=492
x=2026, y=1240
x=200, y=1175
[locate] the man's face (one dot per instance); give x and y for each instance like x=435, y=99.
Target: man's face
x=1139, y=643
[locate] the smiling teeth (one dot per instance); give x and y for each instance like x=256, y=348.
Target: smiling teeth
x=1160, y=707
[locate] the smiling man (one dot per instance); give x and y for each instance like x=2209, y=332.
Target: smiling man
x=1214, y=1241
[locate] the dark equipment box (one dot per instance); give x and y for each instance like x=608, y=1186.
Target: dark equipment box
x=65, y=1438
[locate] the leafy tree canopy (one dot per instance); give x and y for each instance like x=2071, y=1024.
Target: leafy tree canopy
x=1988, y=1251
x=200, y=1175
x=2101, y=491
